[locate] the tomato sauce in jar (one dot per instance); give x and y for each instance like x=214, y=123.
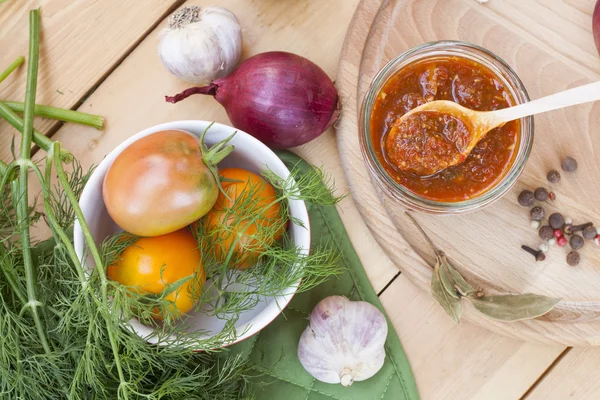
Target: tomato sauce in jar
x=465, y=82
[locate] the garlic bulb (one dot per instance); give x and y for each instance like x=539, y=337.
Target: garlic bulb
x=344, y=341
x=201, y=44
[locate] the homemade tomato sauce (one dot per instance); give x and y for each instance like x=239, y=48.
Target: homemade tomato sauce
x=426, y=142
x=458, y=79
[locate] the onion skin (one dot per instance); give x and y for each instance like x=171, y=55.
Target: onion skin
x=596, y=25
x=282, y=99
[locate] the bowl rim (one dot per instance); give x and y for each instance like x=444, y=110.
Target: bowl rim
x=275, y=304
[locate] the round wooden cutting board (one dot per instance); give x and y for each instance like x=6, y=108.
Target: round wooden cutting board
x=550, y=46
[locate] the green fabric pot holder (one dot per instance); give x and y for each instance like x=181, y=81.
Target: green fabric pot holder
x=275, y=347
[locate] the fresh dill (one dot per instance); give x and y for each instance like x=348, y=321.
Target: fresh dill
x=66, y=330
x=278, y=265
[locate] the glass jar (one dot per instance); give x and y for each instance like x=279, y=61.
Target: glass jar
x=445, y=49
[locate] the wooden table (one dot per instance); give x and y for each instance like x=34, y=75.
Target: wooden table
x=101, y=57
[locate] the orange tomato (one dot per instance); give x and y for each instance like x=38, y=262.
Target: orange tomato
x=152, y=263
x=251, y=206
x=158, y=184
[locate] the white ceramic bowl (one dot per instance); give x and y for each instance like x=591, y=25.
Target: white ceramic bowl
x=249, y=154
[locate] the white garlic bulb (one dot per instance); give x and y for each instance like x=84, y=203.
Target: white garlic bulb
x=344, y=341
x=201, y=44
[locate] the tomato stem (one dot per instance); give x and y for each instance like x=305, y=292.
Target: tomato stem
x=211, y=157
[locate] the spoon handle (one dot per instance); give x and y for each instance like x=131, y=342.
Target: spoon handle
x=571, y=97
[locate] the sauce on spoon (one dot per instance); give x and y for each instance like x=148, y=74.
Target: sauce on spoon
x=427, y=142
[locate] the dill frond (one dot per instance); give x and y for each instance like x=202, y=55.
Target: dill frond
x=89, y=319
x=59, y=203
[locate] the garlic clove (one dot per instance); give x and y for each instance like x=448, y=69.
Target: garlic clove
x=344, y=341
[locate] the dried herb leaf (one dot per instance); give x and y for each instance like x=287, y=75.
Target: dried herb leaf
x=445, y=278
x=515, y=307
x=450, y=304
x=459, y=282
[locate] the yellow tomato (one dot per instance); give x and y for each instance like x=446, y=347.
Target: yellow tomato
x=150, y=264
x=245, y=226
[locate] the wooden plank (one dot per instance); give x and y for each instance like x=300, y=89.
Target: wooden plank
x=132, y=99
x=81, y=42
x=576, y=376
x=387, y=29
x=463, y=361
x=449, y=361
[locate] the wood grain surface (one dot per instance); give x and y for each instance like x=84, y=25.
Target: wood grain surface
x=449, y=361
x=461, y=361
x=132, y=97
x=485, y=245
x=576, y=376
x=271, y=30
x=81, y=42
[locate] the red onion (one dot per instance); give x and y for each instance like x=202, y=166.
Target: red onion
x=280, y=98
x=596, y=25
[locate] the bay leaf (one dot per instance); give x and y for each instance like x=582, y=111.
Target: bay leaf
x=459, y=282
x=514, y=307
x=450, y=304
x=445, y=277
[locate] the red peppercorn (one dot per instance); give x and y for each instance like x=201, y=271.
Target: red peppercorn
x=558, y=233
x=551, y=196
x=561, y=241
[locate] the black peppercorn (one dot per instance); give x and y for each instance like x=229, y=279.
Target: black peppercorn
x=589, y=232
x=573, y=258
x=546, y=232
x=553, y=176
x=556, y=221
x=541, y=194
x=576, y=242
x=569, y=164
x=537, y=213
x=526, y=198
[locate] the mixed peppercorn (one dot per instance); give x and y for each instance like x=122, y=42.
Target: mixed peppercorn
x=558, y=227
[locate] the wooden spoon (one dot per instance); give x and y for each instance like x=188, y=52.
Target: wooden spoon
x=459, y=129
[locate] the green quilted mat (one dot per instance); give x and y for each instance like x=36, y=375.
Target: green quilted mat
x=277, y=344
